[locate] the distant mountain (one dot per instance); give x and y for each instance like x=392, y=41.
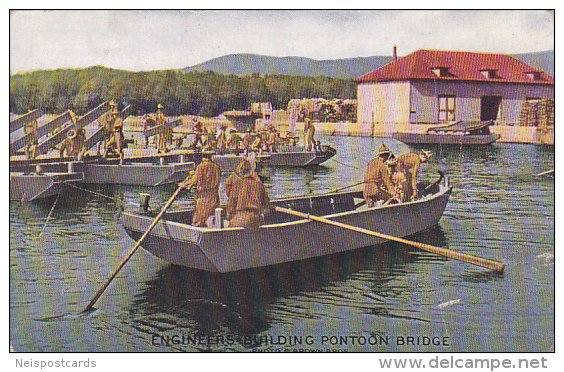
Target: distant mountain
x=244, y=64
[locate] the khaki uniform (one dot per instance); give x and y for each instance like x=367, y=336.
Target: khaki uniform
x=117, y=139
x=309, y=133
x=30, y=129
x=162, y=135
x=248, y=201
x=271, y=141
x=206, y=180
x=409, y=164
x=377, y=184
x=399, y=182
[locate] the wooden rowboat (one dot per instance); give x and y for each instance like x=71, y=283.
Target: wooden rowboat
x=284, y=238
x=458, y=133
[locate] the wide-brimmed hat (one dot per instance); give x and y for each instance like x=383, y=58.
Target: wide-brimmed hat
x=384, y=150
x=159, y=106
x=426, y=153
x=244, y=168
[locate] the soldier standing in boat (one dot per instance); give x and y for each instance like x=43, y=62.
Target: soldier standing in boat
x=377, y=186
x=206, y=181
x=248, y=201
x=410, y=163
x=30, y=129
x=398, y=182
x=309, y=133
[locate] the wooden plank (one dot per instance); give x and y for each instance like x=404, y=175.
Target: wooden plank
x=41, y=131
x=25, y=118
x=155, y=129
x=89, y=117
x=98, y=134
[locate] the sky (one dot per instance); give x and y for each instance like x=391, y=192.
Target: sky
x=160, y=39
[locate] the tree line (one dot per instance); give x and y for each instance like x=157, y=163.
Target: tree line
x=197, y=93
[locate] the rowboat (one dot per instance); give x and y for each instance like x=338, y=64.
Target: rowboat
x=458, y=133
x=284, y=238
x=291, y=157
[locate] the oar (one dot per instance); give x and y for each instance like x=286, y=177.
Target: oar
x=344, y=187
x=133, y=250
x=493, y=265
x=545, y=172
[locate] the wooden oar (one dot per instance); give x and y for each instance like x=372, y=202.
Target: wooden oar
x=545, y=172
x=344, y=187
x=133, y=250
x=493, y=265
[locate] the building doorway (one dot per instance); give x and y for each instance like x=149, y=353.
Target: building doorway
x=490, y=108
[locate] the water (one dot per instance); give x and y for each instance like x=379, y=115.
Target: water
x=498, y=210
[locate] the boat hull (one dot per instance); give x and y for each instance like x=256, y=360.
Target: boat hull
x=446, y=139
x=233, y=249
x=228, y=163
x=29, y=187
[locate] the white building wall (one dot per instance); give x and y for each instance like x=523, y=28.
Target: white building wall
x=386, y=102
x=424, y=99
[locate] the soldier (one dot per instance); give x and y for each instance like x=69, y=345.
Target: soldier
x=221, y=139
x=162, y=134
x=247, y=141
x=410, y=163
x=377, y=184
x=78, y=144
x=71, y=113
x=67, y=146
x=272, y=139
x=233, y=141
x=198, y=130
x=118, y=139
x=206, y=180
x=248, y=200
x=398, y=182
x=309, y=133
x=30, y=129
x=106, y=121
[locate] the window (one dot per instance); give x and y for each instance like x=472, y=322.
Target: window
x=489, y=73
x=441, y=71
x=446, y=108
x=534, y=75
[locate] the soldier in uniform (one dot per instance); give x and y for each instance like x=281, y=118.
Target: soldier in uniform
x=410, y=163
x=106, y=122
x=198, y=130
x=206, y=180
x=398, y=182
x=271, y=140
x=248, y=200
x=118, y=139
x=377, y=184
x=309, y=133
x=247, y=141
x=67, y=146
x=30, y=129
x=221, y=139
x=162, y=134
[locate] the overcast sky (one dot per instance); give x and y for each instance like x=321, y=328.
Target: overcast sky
x=148, y=40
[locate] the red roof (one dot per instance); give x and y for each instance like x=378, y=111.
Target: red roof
x=462, y=66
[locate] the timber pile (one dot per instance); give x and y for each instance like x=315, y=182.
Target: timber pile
x=323, y=110
x=537, y=114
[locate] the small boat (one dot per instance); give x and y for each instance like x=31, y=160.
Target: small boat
x=284, y=238
x=45, y=180
x=457, y=133
x=291, y=157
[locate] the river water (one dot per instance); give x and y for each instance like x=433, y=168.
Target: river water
x=367, y=300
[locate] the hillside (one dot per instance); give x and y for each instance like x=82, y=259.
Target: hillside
x=244, y=64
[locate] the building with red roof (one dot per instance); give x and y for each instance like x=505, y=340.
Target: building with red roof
x=432, y=87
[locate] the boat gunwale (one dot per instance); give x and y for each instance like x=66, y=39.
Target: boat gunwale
x=202, y=230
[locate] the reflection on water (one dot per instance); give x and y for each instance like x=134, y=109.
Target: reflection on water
x=498, y=210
